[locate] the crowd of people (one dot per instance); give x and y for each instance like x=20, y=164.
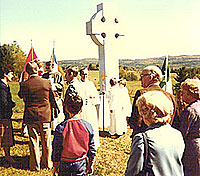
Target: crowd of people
x=164, y=140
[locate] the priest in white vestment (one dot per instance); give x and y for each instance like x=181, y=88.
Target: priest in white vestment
x=117, y=120
x=90, y=97
x=125, y=102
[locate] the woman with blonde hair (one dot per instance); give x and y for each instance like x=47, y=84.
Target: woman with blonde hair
x=165, y=144
x=190, y=126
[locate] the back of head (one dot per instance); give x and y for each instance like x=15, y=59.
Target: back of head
x=74, y=103
x=32, y=68
x=155, y=72
x=113, y=81
x=72, y=70
x=192, y=86
x=4, y=70
x=84, y=71
x=122, y=82
x=38, y=62
x=154, y=107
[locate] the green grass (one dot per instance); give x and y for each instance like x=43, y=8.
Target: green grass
x=111, y=159
x=14, y=88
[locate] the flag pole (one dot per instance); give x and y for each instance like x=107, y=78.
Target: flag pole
x=31, y=50
x=52, y=61
x=166, y=69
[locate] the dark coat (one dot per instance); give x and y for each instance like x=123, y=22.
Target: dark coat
x=190, y=128
x=133, y=120
x=6, y=103
x=38, y=97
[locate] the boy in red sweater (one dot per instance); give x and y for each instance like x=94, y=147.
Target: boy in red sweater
x=73, y=144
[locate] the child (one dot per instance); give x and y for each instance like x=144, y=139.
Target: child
x=73, y=144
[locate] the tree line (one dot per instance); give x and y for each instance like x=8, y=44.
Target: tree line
x=11, y=55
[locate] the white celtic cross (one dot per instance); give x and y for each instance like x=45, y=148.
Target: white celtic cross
x=103, y=29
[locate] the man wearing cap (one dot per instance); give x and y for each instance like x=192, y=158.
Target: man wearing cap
x=56, y=79
x=57, y=83
x=90, y=98
x=150, y=79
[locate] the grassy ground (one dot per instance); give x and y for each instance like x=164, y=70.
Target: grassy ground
x=112, y=155
x=111, y=158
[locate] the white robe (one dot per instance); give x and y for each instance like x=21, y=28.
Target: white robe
x=104, y=112
x=126, y=102
x=118, y=124
x=90, y=98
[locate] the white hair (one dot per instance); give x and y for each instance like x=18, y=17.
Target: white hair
x=155, y=72
x=155, y=106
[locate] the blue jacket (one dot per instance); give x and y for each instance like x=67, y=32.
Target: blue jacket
x=73, y=141
x=166, y=148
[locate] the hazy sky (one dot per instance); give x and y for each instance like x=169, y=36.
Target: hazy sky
x=151, y=27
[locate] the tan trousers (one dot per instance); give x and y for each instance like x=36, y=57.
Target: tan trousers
x=45, y=132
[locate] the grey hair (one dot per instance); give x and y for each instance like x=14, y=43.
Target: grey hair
x=155, y=72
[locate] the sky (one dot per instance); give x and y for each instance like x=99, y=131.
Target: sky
x=151, y=28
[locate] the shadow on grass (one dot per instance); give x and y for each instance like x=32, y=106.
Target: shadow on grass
x=22, y=162
x=16, y=130
x=104, y=134
x=17, y=120
x=21, y=142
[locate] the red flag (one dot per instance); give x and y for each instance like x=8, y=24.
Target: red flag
x=31, y=56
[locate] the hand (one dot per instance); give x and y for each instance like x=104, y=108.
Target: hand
x=54, y=171
x=89, y=169
x=23, y=132
x=55, y=168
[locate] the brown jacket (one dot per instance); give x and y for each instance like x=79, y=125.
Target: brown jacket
x=38, y=97
x=133, y=121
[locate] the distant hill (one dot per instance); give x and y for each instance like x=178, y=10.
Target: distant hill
x=174, y=61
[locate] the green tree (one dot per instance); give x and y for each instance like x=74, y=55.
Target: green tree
x=181, y=76
x=131, y=76
x=11, y=55
x=19, y=59
x=92, y=67
x=122, y=73
x=6, y=57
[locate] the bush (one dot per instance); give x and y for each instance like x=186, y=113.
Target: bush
x=128, y=75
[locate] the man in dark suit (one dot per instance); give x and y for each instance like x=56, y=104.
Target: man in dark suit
x=73, y=84
x=6, y=105
x=38, y=97
x=150, y=79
